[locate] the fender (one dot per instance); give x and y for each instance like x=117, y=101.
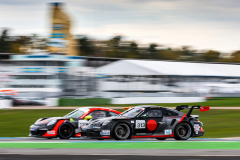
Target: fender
x=53, y=132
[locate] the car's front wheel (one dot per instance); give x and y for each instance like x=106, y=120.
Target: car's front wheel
x=121, y=131
x=182, y=131
x=65, y=131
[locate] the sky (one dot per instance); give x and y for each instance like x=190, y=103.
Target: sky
x=201, y=24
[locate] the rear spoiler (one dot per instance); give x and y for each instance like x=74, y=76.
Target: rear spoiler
x=179, y=108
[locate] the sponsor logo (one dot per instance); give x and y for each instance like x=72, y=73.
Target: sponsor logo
x=161, y=122
x=105, y=132
x=140, y=124
x=96, y=127
x=167, y=131
x=84, y=128
x=33, y=129
x=143, y=134
x=82, y=123
x=196, y=128
x=50, y=132
x=173, y=117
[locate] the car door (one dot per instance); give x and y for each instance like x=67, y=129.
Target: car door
x=95, y=114
x=148, y=123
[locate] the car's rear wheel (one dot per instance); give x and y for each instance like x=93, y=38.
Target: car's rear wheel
x=182, y=131
x=65, y=131
x=161, y=139
x=121, y=131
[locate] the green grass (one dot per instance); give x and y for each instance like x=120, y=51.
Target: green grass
x=214, y=102
x=16, y=123
x=129, y=145
x=217, y=123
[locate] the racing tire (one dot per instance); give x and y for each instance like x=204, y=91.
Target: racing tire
x=65, y=131
x=121, y=131
x=182, y=131
x=161, y=139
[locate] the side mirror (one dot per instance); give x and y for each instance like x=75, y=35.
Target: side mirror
x=88, y=118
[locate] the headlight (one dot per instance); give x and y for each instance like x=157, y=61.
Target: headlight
x=106, y=122
x=38, y=120
x=51, y=122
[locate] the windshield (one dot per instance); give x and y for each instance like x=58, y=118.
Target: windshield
x=132, y=112
x=75, y=114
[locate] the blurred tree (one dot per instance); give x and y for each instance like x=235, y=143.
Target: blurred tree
x=168, y=55
x=211, y=56
x=152, y=51
x=87, y=47
x=5, y=44
x=236, y=57
x=114, y=48
x=133, y=51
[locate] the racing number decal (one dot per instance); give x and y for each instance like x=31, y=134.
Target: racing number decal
x=140, y=124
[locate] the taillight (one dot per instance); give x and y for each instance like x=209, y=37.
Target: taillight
x=196, y=120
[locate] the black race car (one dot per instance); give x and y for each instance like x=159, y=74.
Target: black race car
x=69, y=125
x=147, y=122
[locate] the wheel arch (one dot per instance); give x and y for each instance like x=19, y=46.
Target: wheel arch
x=122, y=121
x=191, y=126
x=73, y=135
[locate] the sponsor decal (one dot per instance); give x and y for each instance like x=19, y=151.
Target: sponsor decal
x=96, y=127
x=196, y=128
x=84, y=128
x=50, y=132
x=140, y=124
x=173, y=117
x=167, y=131
x=33, y=129
x=161, y=122
x=105, y=132
x=132, y=121
x=151, y=125
x=82, y=123
x=143, y=134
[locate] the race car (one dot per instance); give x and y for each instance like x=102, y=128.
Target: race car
x=147, y=122
x=70, y=124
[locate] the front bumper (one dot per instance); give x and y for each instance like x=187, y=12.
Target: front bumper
x=41, y=132
x=200, y=133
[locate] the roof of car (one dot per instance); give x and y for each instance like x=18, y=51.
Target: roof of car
x=147, y=106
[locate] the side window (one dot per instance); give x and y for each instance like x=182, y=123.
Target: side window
x=98, y=114
x=153, y=113
x=111, y=114
x=169, y=113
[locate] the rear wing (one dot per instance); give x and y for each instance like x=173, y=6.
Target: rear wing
x=179, y=108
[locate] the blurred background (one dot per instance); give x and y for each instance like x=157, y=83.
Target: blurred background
x=121, y=52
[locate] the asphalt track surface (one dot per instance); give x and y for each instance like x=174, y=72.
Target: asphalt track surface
x=110, y=157
x=109, y=153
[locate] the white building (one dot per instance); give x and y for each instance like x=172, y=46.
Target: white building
x=39, y=75
x=137, y=78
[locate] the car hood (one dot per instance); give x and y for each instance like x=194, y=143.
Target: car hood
x=43, y=121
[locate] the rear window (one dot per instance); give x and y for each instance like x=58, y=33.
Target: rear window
x=170, y=113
